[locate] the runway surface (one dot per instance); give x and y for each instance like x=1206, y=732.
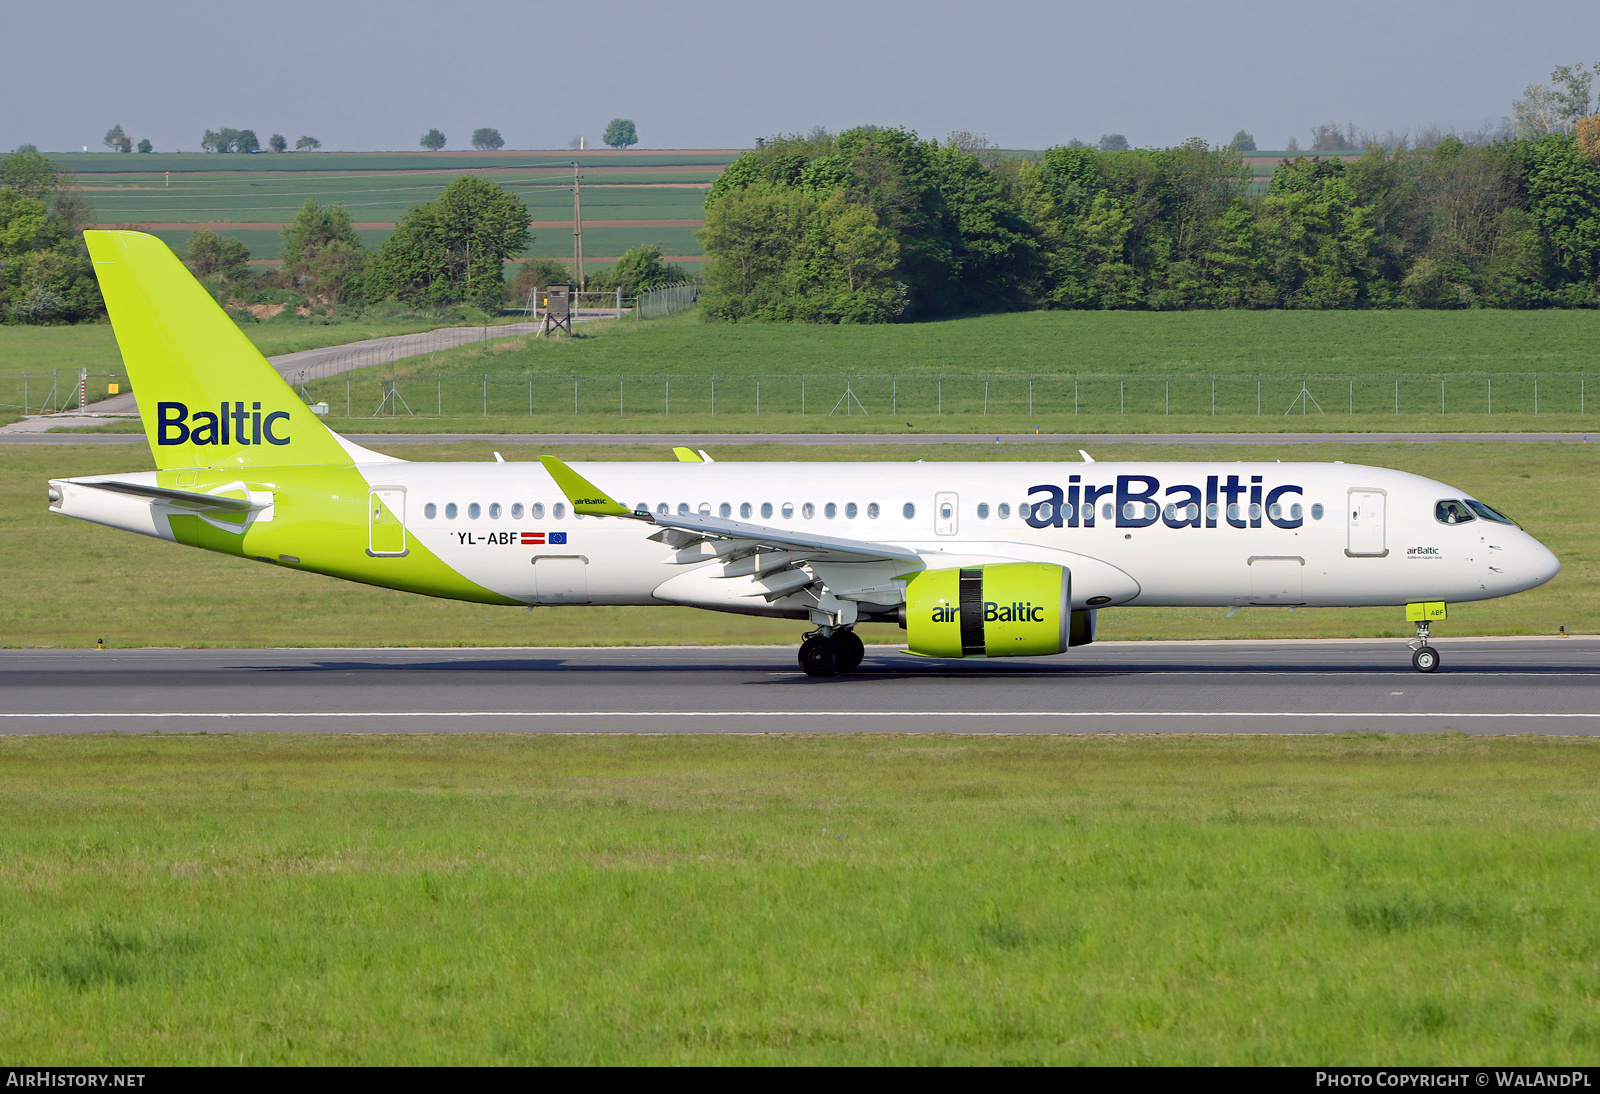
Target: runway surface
x=1486, y=686
x=702, y=440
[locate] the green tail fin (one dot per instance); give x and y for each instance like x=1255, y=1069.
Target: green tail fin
x=206, y=394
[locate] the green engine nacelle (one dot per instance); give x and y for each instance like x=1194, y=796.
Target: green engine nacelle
x=1010, y=609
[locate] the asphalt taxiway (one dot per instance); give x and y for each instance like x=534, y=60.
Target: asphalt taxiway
x=1486, y=686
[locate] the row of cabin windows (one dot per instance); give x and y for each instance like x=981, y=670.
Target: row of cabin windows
x=1448, y=512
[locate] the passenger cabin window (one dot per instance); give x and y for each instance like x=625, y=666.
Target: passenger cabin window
x=683, y=508
x=830, y=510
x=788, y=510
x=558, y=510
x=494, y=510
x=724, y=510
x=983, y=510
x=1024, y=510
x=536, y=510
x=1108, y=511
x=450, y=511
x=766, y=509
x=1451, y=511
x=910, y=511
x=808, y=510
x=850, y=511
x=516, y=510
x=1316, y=511
x=872, y=510
x=705, y=509
x=474, y=511
x=1004, y=510
x=430, y=510
x=744, y=510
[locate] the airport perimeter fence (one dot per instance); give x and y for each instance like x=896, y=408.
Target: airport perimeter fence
x=50, y=391
x=922, y=395
x=665, y=300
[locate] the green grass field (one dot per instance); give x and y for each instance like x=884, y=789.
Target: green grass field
x=1053, y=371
x=71, y=583
x=813, y=900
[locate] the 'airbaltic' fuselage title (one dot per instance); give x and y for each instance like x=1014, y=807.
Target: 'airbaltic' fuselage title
x=962, y=555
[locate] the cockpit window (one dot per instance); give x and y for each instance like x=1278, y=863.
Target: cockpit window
x=1489, y=514
x=1451, y=511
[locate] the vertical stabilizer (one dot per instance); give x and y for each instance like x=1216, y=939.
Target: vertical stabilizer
x=207, y=396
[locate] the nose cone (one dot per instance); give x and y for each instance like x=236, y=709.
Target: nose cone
x=1539, y=564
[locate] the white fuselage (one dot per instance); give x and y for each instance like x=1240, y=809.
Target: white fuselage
x=1303, y=533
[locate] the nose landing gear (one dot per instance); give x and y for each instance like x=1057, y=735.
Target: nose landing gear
x=824, y=654
x=1424, y=658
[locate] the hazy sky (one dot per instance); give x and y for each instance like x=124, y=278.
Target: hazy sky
x=709, y=74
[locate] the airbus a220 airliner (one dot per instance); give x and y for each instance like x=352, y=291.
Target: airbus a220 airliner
x=972, y=559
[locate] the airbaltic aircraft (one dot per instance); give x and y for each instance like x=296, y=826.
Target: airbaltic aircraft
x=972, y=559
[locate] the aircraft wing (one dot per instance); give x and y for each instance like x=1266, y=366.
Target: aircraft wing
x=732, y=538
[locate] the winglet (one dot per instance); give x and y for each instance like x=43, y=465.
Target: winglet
x=686, y=455
x=587, y=499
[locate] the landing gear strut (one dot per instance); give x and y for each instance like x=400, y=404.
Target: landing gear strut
x=1424, y=657
x=826, y=654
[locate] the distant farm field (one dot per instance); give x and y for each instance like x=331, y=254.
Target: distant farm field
x=259, y=192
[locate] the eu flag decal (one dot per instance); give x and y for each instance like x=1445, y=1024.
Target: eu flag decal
x=558, y=537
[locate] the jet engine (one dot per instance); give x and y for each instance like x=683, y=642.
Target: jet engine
x=1008, y=609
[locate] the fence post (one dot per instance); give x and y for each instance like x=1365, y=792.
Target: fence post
x=1213, y=395
x=894, y=396
x=986, y=395
x=1441, y=395
x=485, y=394
x=1074, y=394
x=1030, y=394
x=24, y=394
x=1169, y=394
x=1122, y=395
x=714, y=395
x=530, y=394
x=941, y=394
x=347, y=395
x=438, y=392
x=667, y=412
x=622, y=383
x=1397, y=394
x=1258, y=395
x=1352, y=394
x=802, y=395
x=1536, y=394
x=758, y=396
x=574, y=394
x=1491, y=394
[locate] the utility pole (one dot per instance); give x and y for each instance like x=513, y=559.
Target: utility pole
x=577, y=226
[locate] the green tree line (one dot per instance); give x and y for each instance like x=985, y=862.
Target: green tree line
x=875, y=224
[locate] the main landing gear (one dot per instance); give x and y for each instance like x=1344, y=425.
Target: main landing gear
x=1424, y=658
x=824, y=654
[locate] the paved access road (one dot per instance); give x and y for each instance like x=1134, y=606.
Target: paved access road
x=1492, y=686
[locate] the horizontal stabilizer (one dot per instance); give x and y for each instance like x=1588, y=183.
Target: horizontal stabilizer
x=186, y=498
